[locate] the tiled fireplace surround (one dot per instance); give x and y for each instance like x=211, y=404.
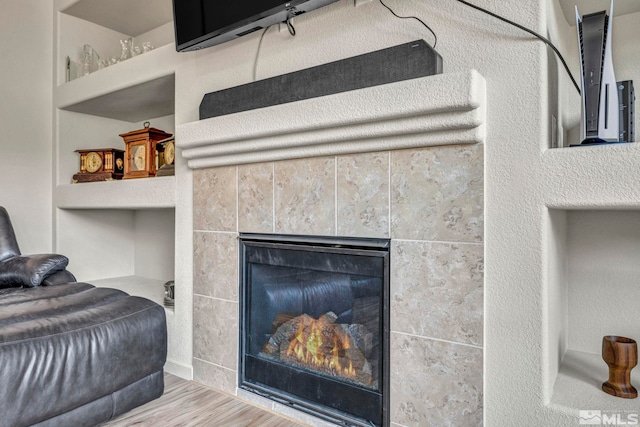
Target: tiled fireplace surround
x=427, y=199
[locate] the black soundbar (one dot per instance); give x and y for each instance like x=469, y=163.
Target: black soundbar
x=402, y=62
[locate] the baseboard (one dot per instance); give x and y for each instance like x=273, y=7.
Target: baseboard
x=179, y=369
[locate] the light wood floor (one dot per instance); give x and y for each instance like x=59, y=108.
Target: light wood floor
x=189, y=404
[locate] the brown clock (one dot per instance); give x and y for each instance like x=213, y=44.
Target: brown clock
x=140, y=151
x=100, y=164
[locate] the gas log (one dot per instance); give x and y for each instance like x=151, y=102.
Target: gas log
x=323, y=345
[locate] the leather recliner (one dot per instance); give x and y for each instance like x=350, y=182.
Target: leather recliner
x=72, y=354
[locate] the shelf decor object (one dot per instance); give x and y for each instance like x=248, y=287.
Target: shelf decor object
x=621, y=355
x=166, y=156
x=140, y=148
x=90, y=60
x=100, y=164
x=169, y=294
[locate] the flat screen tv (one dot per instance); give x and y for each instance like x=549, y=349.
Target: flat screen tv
x=204, y=23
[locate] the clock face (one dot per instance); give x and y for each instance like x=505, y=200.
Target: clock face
x=138, y=158
x=169, y=153
x=93, y=162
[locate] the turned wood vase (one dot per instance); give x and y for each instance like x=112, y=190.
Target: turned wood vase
x=621, y=355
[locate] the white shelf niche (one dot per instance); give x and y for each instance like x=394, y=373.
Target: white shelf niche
x=603, y=249
x=80, y=131
x=132, y=17
x=102, y=24
x=152, y=289
x=140, y=88
x=113, y=243
x=595, y=293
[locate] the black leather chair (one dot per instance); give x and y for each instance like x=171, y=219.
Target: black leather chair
x=71, y=354
x=29, y=270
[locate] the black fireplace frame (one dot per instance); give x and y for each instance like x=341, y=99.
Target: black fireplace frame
x=351, y=245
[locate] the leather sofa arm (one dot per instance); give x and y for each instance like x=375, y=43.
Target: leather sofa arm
x=30, y=270
x=17, y=270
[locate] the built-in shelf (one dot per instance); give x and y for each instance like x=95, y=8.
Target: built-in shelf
x=579, y=381
x=592, y=177
x=125, y=16
x=594, y=209
x=103, y=26
x=142, y=193
x=142, y=101
x=137, y=89
x=135, y=285
x=119, y=234
x=592, y=288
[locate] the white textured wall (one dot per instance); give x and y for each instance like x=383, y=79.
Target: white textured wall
x=467, y=39
x=564, y=100
x=25, y=120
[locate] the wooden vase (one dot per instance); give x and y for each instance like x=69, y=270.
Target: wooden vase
x=621, y=355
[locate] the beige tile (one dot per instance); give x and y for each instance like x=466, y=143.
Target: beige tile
x=215, y=376
x=437, y=193
x=255, y=198
x=214, y=199
x=305, y=196
x=363, y=195
x=255, y=399
x=437, y=290
x=434, y=383
x=215, y=265
x=300, y=416
x=215, y=331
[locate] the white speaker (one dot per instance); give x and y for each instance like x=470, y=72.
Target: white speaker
x=600, y=108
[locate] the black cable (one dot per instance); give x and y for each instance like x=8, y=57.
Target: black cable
x=533, y=33
x=435, y=38
x=290, y=27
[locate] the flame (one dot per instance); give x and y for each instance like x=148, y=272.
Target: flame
x=309, y=349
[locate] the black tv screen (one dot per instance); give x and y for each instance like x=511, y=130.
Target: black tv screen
x=204, y=23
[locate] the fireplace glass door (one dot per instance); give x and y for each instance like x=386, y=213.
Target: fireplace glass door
x=314, y=324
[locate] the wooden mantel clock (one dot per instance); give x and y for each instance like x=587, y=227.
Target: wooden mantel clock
x=140, y=151
x=100, y=164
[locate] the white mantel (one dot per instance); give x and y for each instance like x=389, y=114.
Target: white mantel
x=450, y=110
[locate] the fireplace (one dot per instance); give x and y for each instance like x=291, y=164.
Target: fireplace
x=314, y=325
x=376, y=162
